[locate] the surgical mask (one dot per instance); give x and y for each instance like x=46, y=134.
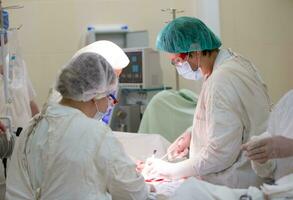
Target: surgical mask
x=99, y=115
x=186, y=71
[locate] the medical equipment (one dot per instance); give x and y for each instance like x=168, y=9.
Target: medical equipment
x=143, y=71
x=117, y=33
x=138, y=82
x=9, y=75
x=8, y=99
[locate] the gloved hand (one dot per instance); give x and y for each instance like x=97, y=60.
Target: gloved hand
x=156, y=168
x=268, y=148
x=139, y=165
x=180, y=147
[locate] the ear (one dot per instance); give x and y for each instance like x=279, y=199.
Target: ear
x=93, y=100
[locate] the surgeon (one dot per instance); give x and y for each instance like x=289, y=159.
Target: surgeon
x=67, y=153
x=233, y=106
x=271, y=155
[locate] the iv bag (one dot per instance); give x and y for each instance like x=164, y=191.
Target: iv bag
x=16, y=72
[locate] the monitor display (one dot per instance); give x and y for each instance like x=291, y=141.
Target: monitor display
x=133, y=72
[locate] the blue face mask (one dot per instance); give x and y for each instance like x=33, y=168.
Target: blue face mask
x=186, y=71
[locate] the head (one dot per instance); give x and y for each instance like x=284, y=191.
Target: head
x=91, y=75
x=86, y=81
x=187, y=39
x=110, y=51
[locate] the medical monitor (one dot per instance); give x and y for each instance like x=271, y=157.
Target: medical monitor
x=143, y=71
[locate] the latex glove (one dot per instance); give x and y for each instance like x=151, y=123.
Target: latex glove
x=180, y=147
x=268, y=148
x=156, y=168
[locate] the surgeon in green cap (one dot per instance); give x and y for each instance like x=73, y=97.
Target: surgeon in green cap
x=233, y=106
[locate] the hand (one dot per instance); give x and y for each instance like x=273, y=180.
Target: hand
x=2, y=128
x=155, y=168
x=179, y=148
x=268, y=148
x=139, y=166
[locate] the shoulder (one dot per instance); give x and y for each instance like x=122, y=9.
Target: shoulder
x=285, y=105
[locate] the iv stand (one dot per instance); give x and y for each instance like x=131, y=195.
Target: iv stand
x=174, y=11
x=8, y=99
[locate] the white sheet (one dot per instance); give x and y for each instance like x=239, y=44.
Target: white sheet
x=140, y=146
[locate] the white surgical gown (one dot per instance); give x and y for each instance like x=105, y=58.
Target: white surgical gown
x=233, y=106
x=280, y=123
x=72, y=157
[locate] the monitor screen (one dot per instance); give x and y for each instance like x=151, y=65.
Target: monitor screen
x=133, y=72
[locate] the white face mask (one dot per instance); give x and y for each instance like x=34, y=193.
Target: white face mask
x=99, y=115
x=186, y=71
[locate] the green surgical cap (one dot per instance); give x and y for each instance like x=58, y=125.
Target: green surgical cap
x=186, y=34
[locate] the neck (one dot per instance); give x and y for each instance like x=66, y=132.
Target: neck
x=85, y=107
x=207, y=63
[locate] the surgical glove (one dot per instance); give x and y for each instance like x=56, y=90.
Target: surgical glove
x=268, y=148
x=155, y=168
x=180, y=147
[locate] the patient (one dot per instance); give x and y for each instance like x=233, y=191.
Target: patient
x=271, y=155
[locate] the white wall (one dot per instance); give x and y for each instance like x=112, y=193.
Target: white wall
x=52, y=31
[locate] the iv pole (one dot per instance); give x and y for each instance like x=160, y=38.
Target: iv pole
x=8, y=99
x=174, y=11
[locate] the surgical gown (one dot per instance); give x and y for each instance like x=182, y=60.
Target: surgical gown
x=69, y=156
x=280, y=123
x=233, y=106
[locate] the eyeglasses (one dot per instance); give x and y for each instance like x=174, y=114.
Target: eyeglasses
x=113, y=99
x=180, y=59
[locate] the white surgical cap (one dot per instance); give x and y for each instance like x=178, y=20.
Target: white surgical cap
x=109, y=50
x=86, y=76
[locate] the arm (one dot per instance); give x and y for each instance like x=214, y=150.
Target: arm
x=180, y=147
x=264, y=169
x=223, y=130
x=31, y=93
x=34, y=108
x=123, y=180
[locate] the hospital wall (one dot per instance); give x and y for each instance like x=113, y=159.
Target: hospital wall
x=54, y=29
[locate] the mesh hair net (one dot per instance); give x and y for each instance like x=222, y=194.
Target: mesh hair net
x=86, y=76
x=186, y=34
